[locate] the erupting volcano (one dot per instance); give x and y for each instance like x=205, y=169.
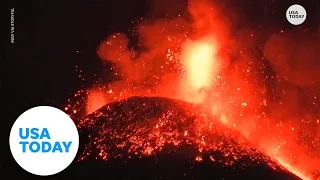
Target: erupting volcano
x=150, y=131
x=195, y=90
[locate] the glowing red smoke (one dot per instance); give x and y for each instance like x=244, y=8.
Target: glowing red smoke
x=199, y=61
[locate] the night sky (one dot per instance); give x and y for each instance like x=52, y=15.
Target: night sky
x=53, y=37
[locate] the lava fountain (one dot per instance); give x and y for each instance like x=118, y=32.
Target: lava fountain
x=198, y=58
x=199, y=62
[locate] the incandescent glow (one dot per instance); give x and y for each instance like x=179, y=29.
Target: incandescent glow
x=293, y=169
x=95, y=100
x=201, y=64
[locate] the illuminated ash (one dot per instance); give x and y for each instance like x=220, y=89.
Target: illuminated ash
x=150, y=127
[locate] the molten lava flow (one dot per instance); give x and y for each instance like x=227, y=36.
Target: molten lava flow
x=200, y=62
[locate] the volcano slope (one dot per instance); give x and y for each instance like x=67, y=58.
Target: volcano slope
x=162, y=138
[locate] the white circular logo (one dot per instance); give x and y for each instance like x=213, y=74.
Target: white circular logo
x=44, y=140
x=296, y=14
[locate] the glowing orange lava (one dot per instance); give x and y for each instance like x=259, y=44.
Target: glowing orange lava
x=187, y=61
x=200, y=62
x=95, y=100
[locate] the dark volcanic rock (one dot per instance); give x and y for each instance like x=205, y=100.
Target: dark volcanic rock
x=161, y=138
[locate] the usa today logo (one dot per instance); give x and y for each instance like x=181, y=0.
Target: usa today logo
x=296, y=14
x=44, y=140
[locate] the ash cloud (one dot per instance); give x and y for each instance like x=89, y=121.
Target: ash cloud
x=160, y=38
x=294, y=55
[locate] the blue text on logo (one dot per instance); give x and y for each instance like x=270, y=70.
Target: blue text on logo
x=42, y=146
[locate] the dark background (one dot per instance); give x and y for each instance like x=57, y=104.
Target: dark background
x=53, y=37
